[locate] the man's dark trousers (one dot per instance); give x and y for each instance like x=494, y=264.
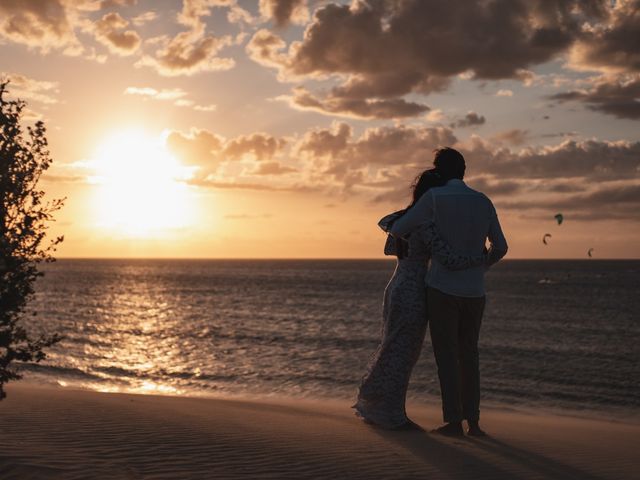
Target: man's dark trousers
x=454, y=323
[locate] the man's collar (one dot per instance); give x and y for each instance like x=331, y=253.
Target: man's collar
x=455, y=181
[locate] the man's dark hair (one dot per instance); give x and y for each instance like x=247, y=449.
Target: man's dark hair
x=449, y=163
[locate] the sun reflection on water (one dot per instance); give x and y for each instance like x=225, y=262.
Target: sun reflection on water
x=137, y=325
x=300, y=328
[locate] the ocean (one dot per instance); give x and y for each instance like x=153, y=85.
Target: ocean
x=556, y=335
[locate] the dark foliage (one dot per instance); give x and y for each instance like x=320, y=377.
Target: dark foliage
x=24, y=216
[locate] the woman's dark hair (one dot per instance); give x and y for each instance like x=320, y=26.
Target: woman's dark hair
x=423, y=182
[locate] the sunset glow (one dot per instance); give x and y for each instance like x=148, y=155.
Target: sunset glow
x=246, y=129
x=140, y=188
x=317, y=238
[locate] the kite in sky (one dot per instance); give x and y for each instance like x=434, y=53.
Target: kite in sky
x=590, y=252
x=544, y=239
x=559, y=217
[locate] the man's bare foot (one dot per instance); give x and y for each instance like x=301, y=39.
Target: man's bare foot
x=475, y=430
x=453, y=429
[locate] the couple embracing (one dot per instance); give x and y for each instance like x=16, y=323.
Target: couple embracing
x=439, y=240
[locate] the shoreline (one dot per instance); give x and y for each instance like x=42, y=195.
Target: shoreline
x=63, y=433
x=416, y=401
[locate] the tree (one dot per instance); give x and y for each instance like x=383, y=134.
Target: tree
x=24, y=216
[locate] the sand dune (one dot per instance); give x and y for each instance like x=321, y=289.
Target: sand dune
x=65, y=434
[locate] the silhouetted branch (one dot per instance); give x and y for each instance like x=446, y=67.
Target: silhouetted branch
x=24, y=222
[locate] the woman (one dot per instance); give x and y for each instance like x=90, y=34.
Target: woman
x=383, y=390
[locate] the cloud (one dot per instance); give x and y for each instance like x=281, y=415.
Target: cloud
x=284, y=11
x=469, y=120
x=390, y=145
x=588, y=180
x=266, y=48
x=383, y=153
x=380, y=162
x=610, y=45
x=510, y=187
x=206, y=108
x=514, y=136
x=198, y=147
x=163, y=94
x=64, y=178
x=435, y=116
x=504, y=93
x=333, y=104
x=238, y=15
x=259, y=145
x=52, y=24
x=187, y=54
x=384, y=50
x=144, y=18
x=326, y=142
x=106, y=4
x=621, y=193
x=183, y=102
x=399, y=145
x=602, y=202
x=381, y=51
x=320, y=159
x=614, y=95
x=492, y=39
x=495, y=187
x=575, y=176
x=242, y=185
x=176, y=95
x=377, y=159
x=208, y=151
x=28, y=88
x=589, y=160
x=558, y=134
x=193, y=11
x=42, y=24
x=272, y=168
x=109, y=31
x=191, y=51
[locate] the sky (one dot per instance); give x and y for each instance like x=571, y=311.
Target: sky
x=288, y=128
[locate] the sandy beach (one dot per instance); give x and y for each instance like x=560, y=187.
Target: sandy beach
x=71, y=434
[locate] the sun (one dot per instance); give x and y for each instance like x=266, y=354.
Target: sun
x=140, y=186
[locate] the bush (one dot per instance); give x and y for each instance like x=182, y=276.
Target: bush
x=23, y=224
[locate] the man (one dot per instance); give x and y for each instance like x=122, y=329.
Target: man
x=465, y=218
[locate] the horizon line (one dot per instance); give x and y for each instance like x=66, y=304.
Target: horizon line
x=326, y=258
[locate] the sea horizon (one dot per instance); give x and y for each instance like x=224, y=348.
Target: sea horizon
x=390, y=259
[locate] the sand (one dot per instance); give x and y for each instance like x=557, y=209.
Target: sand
x=72, y=434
